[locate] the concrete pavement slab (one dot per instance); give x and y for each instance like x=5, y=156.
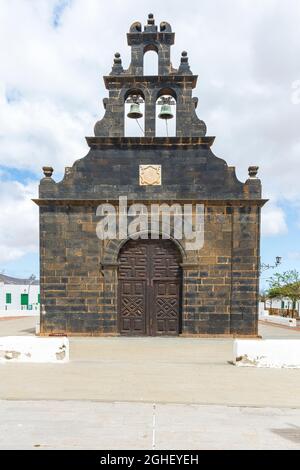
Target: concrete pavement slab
x=94, y=425
x=161, y=370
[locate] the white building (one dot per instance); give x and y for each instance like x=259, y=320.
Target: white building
x=19, y=294
x=284, y=303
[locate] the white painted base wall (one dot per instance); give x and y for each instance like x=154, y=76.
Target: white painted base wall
x=278, y=320
x=19, y=313
x=275, y=353
x=32, y=349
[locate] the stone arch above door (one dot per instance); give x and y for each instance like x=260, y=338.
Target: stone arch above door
x=112, y=249
x=109, y=269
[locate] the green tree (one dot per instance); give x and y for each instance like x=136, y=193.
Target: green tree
x=285, y=285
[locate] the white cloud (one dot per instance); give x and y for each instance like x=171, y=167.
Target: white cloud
x=18, y=220
x=273, y=221
x=294, y=255
x=38, y=133
x=245, y=53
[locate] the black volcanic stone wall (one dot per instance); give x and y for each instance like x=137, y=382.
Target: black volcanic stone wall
x=79, y=272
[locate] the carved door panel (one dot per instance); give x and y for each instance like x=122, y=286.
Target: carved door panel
x=149, y=288
x=165, y=314
x=132, y=289
x=165, y=286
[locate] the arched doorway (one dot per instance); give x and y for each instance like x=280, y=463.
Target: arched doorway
x=149, y=286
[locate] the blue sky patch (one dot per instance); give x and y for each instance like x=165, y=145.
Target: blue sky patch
x=58, y=11
x=13, y=95
x=15, y=174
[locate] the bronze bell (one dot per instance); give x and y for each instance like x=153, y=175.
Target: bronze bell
x=135, y=112
x=165, y=112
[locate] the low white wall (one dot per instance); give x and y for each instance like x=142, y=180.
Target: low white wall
x=279, y=320
x=261, y=309
x=267, y=353
x=32, y=349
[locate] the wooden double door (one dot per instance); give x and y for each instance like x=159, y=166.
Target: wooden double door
x=149, y=288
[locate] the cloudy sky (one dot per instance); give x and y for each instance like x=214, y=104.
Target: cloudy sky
x=54, y=52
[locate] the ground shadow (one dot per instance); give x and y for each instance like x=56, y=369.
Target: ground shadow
x=292, y=433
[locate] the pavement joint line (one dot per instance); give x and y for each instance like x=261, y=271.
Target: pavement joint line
x=149, y=402
x=153, y=426
x=14, y=318
x=276, y=325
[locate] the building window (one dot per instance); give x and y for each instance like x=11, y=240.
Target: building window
x=8, y=298
x=24, y=300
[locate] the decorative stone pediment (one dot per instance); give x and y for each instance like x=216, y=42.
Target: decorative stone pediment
x=150, y=175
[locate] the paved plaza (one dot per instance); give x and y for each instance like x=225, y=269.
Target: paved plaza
x=171, y=393
x=115, y=425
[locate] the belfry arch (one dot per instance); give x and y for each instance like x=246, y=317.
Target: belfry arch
x=150, y=60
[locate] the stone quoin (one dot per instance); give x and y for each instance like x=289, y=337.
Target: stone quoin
x=156, y=286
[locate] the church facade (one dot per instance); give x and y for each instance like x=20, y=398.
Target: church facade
x=151, y=284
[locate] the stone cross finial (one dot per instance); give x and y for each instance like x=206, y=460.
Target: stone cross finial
x=151, y=20
x=184, y=66
x=48, y=170
x=184, y=57
x=117, y=67
x=117, y=58
x=252, y=171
